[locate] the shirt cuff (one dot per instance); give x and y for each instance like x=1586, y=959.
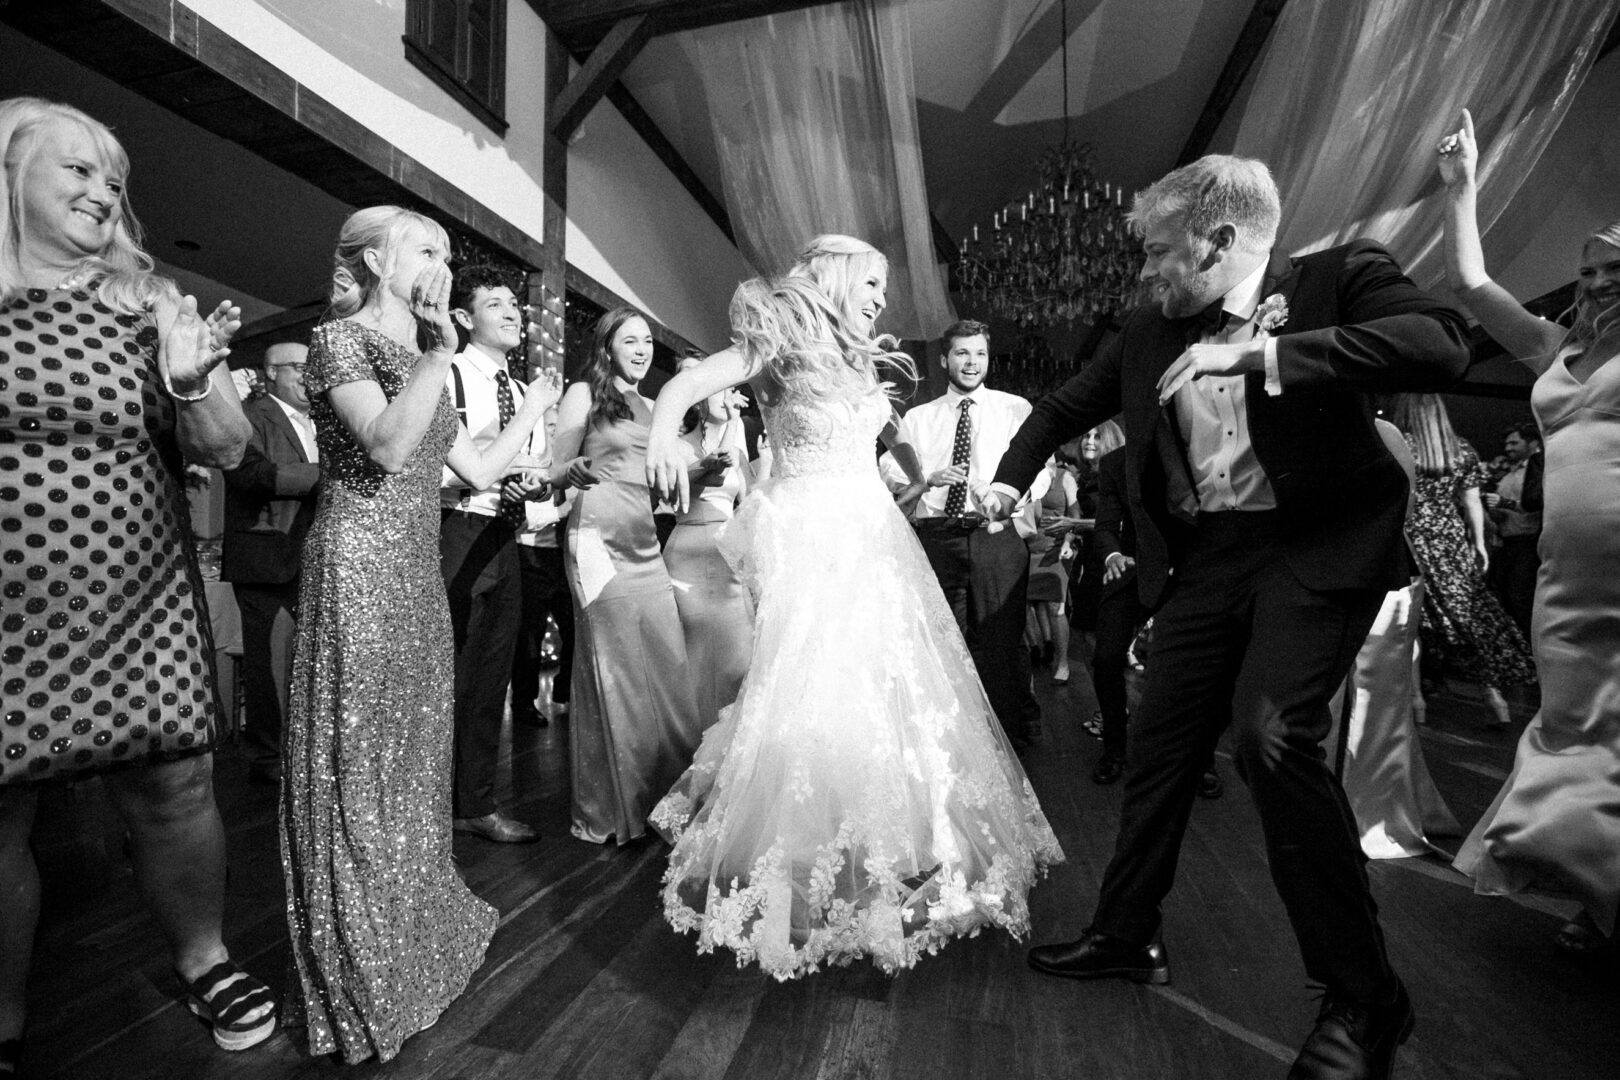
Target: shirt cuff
x=1007, y=490
x=1273, y=376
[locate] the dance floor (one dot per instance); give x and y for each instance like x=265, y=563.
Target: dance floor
x=585, y=980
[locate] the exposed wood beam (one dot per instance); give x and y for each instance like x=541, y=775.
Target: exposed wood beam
x=1038, y=44
x=582, y=23
x=659, y=144
x=601, y=71
x=1251, y=42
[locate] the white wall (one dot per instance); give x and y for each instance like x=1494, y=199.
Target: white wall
x=631, y=225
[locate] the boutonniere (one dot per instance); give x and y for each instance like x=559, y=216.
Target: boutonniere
x=1271, y=314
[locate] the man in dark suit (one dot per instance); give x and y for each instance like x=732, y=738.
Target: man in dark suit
x=269, y=504
x=1256, y=478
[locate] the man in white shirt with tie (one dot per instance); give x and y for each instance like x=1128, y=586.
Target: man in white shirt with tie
x=478, y=552
x=982, y=566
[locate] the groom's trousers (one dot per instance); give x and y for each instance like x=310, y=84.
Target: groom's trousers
x=1239, y=639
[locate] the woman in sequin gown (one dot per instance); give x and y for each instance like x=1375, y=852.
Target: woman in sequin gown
x=859, y=799
x=1556, y=822
x=716, y=614
x=109, y=384
x=384, y=933
x=634, y=721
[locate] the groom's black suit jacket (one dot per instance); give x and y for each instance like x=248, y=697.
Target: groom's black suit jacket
x=1356, y=325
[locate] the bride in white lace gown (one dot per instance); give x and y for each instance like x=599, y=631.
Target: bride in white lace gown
x=859, y=798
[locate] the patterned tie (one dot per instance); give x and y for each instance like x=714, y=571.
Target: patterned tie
x=961, y=449
x=512, y=511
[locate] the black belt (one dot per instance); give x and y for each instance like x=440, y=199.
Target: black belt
x=963, y=523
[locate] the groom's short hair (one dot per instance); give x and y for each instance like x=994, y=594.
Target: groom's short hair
x=1214, y=190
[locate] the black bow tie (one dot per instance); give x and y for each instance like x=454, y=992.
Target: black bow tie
x=1206, y=323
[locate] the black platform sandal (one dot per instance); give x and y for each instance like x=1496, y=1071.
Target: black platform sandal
x=225, y=996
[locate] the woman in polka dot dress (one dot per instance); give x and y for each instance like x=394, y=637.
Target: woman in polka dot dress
x=109, y=382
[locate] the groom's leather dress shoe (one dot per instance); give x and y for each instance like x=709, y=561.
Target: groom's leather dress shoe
x=1098, y=956
x=1355, y=1041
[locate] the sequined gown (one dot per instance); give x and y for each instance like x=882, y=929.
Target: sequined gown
x=859, y=799
x=716, y=614
x=1556, y=822
x=106, y=646
x=384, y=932
x=633, y=721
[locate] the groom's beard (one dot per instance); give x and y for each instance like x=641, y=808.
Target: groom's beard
x=1192, y=294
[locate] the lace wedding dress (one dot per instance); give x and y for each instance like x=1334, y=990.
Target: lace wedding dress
x=859, y=798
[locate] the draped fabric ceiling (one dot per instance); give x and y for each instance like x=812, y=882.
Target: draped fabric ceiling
x=1345, y=102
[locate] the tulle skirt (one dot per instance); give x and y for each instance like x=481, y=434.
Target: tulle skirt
x=859, y=798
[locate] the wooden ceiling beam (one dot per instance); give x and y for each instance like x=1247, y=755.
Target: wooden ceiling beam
x=583, y=23
x=602, y=69
x=1251, y=42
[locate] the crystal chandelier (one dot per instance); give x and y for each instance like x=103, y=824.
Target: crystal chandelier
x=1062, y=252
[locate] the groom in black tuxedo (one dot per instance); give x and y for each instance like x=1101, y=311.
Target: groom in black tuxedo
x=1268, y=518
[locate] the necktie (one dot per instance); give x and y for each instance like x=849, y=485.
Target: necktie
x=512, y=511
x=1206, y=323
x=961, y=449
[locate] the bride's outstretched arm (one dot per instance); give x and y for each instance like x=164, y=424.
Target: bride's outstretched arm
x=666, y=464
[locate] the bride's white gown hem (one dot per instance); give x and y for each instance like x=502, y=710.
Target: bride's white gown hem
x=859, y=798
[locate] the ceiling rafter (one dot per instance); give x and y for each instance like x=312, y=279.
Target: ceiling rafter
x=582, y=23
x=602, y=69
x=1251, y=42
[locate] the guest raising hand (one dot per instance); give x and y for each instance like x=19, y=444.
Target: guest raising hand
x=1556, y=821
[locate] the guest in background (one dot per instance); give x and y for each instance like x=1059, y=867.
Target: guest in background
x=634, y=721
x=478, y=550
x=1374, y=745
x=1515, y=507
x=545, y=590
x=384, y=933
x=1464, y=625
x=269, y=504
x=717, y=615
x=1085, y=590
x=982, y=565
x=1556, y=822
x=105, y=667
x=1051, y=547
x=1119, y=610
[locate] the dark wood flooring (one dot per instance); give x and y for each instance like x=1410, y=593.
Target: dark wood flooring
x=584, y=980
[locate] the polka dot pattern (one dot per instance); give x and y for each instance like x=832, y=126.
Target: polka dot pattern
x=103, y=659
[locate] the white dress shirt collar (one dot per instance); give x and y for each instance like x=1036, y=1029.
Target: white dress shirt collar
x=1244, y=297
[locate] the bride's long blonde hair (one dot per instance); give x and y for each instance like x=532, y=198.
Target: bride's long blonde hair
x=799, y=328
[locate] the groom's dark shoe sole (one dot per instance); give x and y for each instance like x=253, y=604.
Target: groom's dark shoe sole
x=1097, y=956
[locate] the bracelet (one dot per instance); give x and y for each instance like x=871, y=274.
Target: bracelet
x=189, y=399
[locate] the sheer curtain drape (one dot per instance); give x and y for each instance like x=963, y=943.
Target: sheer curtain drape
x=815, y=121
x=1354, y=94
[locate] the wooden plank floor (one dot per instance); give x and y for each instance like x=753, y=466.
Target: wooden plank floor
x=584, y=980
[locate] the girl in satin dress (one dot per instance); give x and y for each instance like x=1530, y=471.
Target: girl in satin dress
x=635, y=721
x=1556, y=822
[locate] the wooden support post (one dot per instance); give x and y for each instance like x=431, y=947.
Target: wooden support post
x=548, y=288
